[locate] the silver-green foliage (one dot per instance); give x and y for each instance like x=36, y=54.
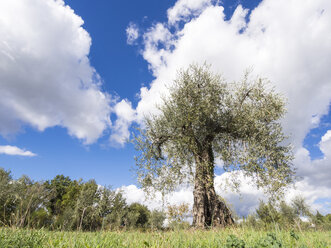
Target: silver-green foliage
x=240, y=120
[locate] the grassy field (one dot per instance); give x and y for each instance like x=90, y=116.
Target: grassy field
x=213, y=238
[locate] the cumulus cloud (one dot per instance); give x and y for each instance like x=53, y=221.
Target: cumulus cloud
x=125, y=115
x=318, y=171
x=183, y=9
x=45, y=74
x=286, y=41
x=13, y=150
x=289, y=49
x=132, y=33
x=134, y=194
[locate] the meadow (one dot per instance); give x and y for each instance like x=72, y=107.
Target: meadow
x=231, y=237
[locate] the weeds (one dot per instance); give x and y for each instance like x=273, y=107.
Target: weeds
x=227, y=238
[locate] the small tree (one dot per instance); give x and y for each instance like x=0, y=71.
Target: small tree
x=86, y=214
x=118, y=211
x=156, y=219
x=202, y=118
x=137, y=216
x=29, y=197
x=177, y=215
x=7, y=199
x=288, y=216
x=301, y=208
x=267, y=213
x=179, y=212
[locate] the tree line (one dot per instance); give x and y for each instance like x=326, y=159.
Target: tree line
x=65, y=204
x=71, y=205
x=296, y=214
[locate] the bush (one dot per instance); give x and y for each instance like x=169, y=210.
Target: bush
x=233, y=242
x=156, y=220
x=269, y=241
x=137, y=216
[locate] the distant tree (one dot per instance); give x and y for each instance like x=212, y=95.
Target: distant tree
x=301, y=208
x=177, y=215
x=6, y=197
x=156, y=219
x=328, y=218
x=86, y=213
x=178, y=212
x=267, y=213
x=8, y=201
x=118, y=210
x=251, y=221
x=318, y=219
x=29, y=197
x=137, y=216
x=59, y=187
x=63, y=201
x=41, y=218
x=104, y=205
x=202, y=118
x=71, y=194
x=327, y=222
x=288, y=214
x=64, y=204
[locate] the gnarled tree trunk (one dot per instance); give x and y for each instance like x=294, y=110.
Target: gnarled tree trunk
x=208, y=208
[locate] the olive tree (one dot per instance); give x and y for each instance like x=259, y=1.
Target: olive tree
x=202, y=118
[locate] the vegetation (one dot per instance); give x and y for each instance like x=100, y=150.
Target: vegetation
x=65, y=204
x=177, y=216
x=36, y=214
x=205, y=117
x=286, y=216
x=228, y=238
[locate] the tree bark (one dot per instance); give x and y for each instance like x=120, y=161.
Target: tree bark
x=208, y=209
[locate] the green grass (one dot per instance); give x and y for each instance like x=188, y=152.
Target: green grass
x=18, y=238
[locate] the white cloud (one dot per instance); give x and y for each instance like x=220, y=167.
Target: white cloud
x=13, y=150
x=125, y=115
x=186, y=8
x=289, y=42
x=325, y=143
x=45, y=73
x=153, y=38
x=291, y=49
x=132, y=33
x=316, y=172
x=134, y=194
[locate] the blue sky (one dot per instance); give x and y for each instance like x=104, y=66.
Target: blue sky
x=133, y=74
